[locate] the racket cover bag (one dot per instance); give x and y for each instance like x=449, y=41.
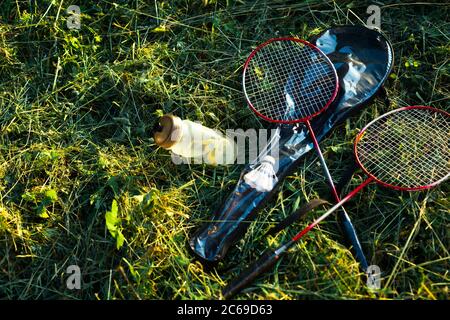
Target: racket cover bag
x=363, y=59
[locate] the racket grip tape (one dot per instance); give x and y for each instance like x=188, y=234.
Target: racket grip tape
x=350, y=233
x=263, y=264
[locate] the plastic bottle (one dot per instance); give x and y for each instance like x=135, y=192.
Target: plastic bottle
x=192, y=140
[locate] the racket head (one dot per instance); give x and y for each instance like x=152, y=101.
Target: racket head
x=407, y=148
x=294, y=66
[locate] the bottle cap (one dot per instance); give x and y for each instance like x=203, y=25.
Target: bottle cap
x=168, y=131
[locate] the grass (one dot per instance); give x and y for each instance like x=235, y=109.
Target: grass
x=77, y=109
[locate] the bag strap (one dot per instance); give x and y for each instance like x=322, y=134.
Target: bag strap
x=297, y=215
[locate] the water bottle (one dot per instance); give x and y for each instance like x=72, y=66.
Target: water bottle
x=191, y=140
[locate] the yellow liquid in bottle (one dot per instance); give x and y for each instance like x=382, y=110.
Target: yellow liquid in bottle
x=205, y=145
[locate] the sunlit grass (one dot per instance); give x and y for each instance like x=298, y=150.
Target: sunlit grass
x=77, y=110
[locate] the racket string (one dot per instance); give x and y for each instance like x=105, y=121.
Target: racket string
x=286, y=74
x=415, y=164
x=415, y=159
x=408, y=149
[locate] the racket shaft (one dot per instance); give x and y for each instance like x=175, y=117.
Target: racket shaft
x=322, y=161
x=333, y=209
x=345, y=222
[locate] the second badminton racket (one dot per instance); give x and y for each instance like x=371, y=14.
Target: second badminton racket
x=405, y=149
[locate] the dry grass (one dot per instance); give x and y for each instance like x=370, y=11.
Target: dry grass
x=77, y=109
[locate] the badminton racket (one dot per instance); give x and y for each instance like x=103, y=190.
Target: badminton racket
x=405, y=149
x=289, y=80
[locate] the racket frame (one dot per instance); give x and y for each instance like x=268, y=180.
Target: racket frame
x=374, y=178
x=304, y=42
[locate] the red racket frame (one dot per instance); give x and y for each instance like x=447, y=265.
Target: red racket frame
x=305, y=119
x=371, y=177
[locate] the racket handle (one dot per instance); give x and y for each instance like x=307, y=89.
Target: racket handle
x=265, y=263
x=350, y=233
